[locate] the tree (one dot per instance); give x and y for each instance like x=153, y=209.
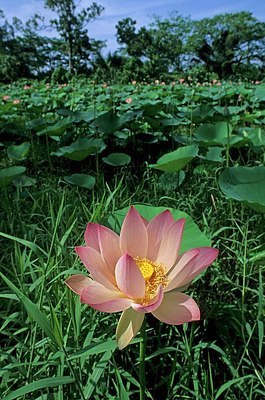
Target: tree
x=136, y=43
x=21, y=49
x=228, y=44
x=71, y=26
x=169, y=40
x=109, y=67
x=160, y=46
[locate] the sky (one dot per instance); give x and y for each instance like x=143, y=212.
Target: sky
x=142, y=11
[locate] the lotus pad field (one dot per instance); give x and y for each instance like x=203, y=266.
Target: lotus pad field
x=81, y=153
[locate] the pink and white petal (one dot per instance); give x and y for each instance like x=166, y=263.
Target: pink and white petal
x=77, y=283
x=170, y=244
x=129, y=279
x=177, y=308
x=91, y=236
x=96, y=266
x=205, y=258
x=182, y=269
x=133, y=236
x=128, y=326
x=109, y=247
x=156, y=230
x=153, y=305
x=103, y=299
x=145, y=221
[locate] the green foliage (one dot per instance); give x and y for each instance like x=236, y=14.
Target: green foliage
x=221, y=47
x=218, y=134
x=52, y=346
x=8, y=174
x=80, y=149
x=36, y=314
x=220, y=356
x=60, y=75
x=82, y=180
x=108, y=68
x=117, y=159
x=176, y=160
x=228, y=44
x=19, y=152
x=23, y=53
x=245, y=184
x=71, y=26
x=161, y=45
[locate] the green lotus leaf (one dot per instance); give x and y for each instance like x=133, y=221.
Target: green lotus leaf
x=8, y=174
x=245, y=184
x=81, y=149
x=82, y=180
x=176, y=160
x=117, y=159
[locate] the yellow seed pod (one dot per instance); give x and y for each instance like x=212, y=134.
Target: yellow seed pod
x=146, y=268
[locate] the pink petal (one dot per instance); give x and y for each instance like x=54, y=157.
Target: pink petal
x=103, y=299
x=170, y=244
x=129, y=278
x=91, y=236
x=105, y=242
x=205, y=258
x=144, y=221
x=109, y=246
x=183, y=268
x=77, y=283
x=129, y=325
x=156, y=230
x=153, y=305
x=133, y=236
x=96, y=266
x=177, y=308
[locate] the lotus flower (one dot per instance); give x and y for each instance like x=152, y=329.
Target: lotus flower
x=141, y=271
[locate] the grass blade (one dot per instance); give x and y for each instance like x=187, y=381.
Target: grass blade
x=41, y=384
x=34, y=312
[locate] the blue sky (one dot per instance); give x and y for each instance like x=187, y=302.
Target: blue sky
x=140, y=10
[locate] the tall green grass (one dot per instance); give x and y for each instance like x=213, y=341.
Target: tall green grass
x=52, y=347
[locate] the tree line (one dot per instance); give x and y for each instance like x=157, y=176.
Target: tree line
x=226, y=46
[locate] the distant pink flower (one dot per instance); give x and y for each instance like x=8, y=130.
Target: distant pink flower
x=16, y=101
x=105, y=85
x=134, y=82
x=141, y=271
x=6, y=97
x=27, y=87
x=182, y=80
x=128, y=100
